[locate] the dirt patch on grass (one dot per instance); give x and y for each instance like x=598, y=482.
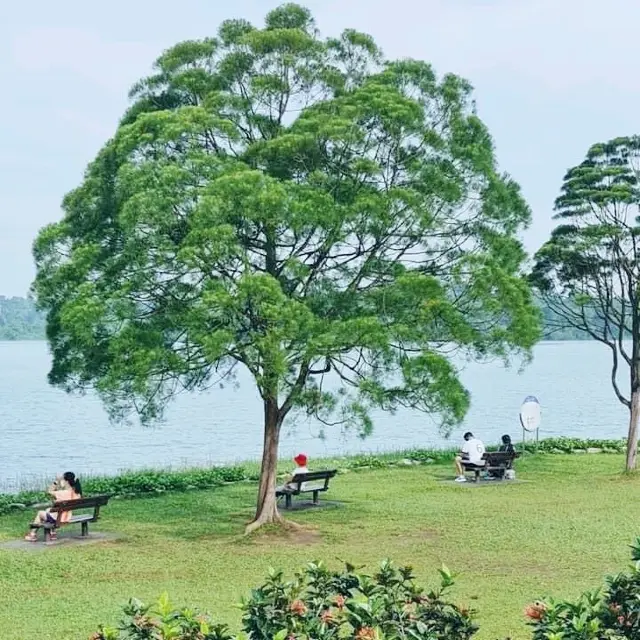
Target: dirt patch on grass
x=417, y=534
x=286, y=535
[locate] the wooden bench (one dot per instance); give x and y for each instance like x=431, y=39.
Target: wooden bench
x=494, y=461
x=313, y=478
x=63, y=506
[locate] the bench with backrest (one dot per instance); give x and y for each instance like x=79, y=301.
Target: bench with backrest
x=313, y=482
x=494, y=461
x=83, y=519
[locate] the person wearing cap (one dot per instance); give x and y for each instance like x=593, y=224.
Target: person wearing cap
x=301, y=467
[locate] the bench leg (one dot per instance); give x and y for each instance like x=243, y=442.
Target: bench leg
x=47, y=534
x=476, y=476
x=85, y=529
x=315, y=497
x=287, y=501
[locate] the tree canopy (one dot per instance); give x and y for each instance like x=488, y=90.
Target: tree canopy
x=588, y=273
x=297, y=206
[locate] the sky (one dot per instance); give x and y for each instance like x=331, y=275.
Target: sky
x=551, y=78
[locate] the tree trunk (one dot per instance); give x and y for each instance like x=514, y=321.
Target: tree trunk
x=632, y=440
x=267, y=508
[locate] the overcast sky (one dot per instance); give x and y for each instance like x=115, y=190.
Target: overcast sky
x=551, y=77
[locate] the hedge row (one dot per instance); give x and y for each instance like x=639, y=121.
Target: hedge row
x=546, y=446
x=139, y=483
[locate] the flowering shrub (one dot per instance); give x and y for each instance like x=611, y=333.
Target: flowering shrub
x=163, y=622
x=318, y=604
x=610, y=613
x=323, y=605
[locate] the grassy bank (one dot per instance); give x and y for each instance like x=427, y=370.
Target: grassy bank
x=556, y=532
x=137, y=483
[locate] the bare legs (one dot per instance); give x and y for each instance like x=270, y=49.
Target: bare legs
x=40, y=519
x=460, y=477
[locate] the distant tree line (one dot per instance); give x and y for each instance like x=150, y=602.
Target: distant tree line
x=20, y=320
x=556, y=327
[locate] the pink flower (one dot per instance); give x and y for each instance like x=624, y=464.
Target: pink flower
x=366, y=633
x=535, y=611
x=298, y=607
x=327, y=617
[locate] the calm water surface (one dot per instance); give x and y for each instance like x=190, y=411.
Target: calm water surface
x=46, y=431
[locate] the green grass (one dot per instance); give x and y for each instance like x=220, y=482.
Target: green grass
x=556, y=534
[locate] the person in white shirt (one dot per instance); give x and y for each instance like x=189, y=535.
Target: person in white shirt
x=471, y=453
x=301, y=467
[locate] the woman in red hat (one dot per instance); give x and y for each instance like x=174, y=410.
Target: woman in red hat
x=301, y=467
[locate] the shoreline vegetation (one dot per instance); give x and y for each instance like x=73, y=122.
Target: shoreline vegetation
x=150, y=482
x=21, y=321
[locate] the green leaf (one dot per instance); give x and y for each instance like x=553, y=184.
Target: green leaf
x=281, y=635
x=164, y=605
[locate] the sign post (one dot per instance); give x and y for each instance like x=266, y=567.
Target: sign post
x=530, y=415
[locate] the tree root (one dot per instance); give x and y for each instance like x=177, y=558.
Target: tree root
x=277, y=521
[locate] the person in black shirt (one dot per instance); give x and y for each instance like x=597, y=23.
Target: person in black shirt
x=506, y=444
x=506, y=447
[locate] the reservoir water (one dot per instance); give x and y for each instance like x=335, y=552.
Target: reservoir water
x=45, y=431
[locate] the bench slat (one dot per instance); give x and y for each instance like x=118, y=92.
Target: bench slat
x=73, y=520
x=314, y=475
x=82, y=518
x=80, y=503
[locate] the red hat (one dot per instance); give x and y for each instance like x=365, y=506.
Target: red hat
x=301, y=460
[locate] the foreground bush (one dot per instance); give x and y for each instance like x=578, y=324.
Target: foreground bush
x=317, y=604
x=607, y=614
x=163, y=622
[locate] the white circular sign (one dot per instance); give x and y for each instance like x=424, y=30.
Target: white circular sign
x=530, y=413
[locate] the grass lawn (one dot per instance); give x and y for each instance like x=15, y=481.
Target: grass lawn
x=556, y=533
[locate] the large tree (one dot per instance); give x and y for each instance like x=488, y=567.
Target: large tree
x=299, y=207
x=589, y=271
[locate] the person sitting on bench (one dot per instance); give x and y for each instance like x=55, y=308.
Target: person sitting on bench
x=301, y=467
x=66, y=488
x=471, y=453
x=505, y=447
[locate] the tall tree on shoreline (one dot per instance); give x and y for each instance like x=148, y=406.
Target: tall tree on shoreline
x=588, y=273
x=299, y=207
